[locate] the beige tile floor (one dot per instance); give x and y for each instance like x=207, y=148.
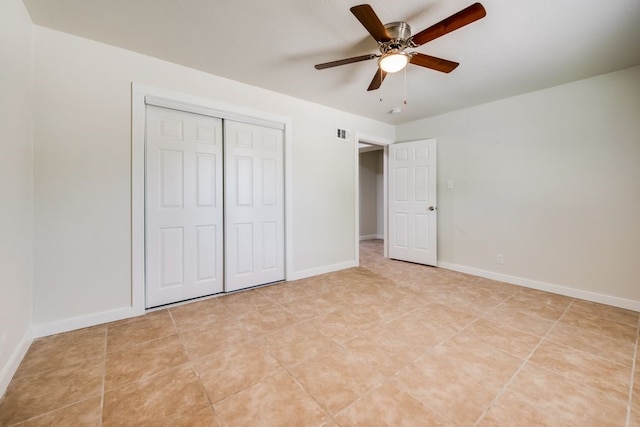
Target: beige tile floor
x=386, y=344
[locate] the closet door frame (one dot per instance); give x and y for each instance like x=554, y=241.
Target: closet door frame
x=143, y=95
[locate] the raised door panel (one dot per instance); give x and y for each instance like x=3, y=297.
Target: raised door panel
x=244, y=181
x=206, y=180
x=172, y=256
x=401, y=228
x=269, y=248
x=171, y=178
x=206, y=253
x=401, y=186
x=243, y=253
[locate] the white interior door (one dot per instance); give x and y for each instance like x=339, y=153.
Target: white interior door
x=254, y=205
x=412, y=202
x=183, y=208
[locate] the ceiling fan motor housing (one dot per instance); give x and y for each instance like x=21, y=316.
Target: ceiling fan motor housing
x=399, y=33
x=398, y=30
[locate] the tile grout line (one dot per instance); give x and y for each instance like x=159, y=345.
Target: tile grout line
x=521, y=367
x=443, y=342
x=426, y=405
x=478, y=317
x=293, y=377
x=239, y=391
x=69, y=404
x=191, y=362
x=632, y=380
x=104, y=374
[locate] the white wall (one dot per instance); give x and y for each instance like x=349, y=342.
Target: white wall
x=82, y=163
x=16, y=186
x=550, y=179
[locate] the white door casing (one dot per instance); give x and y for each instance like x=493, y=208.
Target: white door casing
x=183, y=207
x=254, y=205
x=412, y=202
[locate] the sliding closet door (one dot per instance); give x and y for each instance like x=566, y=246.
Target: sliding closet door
x=183, y=208
x=254, y=205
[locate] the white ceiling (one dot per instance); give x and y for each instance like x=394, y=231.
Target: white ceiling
x=519, y=47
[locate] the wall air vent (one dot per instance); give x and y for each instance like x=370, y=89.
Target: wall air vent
x=343, y=134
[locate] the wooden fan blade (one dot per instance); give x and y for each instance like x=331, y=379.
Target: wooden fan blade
x=432, y=62
x=368, y=18
x=345, y=61
x=464, y=17
x=377, y=80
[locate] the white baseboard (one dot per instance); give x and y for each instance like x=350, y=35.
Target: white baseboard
x=547, y=287
x=73, y=323
x=9, y=370
x=321, y=270
x=372, y=237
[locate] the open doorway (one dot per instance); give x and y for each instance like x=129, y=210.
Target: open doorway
x=371, y=189
x=372, y=169
x=372, y=194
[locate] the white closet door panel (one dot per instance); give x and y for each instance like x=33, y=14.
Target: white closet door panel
x=183, y=207
x=254, y=205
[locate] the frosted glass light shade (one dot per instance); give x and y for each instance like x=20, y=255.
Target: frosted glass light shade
x=392, y=62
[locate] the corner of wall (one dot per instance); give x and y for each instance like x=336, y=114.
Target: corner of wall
x=10, y=368
x=17, y=187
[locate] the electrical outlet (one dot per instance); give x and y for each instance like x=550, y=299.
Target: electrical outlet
x=499, y=259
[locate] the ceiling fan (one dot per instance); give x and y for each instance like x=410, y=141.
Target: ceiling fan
x=395, y=37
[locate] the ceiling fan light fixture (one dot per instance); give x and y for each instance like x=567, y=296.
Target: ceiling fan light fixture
x=393, y=61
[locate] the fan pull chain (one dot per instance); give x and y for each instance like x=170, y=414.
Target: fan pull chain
x=381, y=89
x=405, y=85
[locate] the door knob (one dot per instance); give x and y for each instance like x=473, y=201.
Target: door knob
x=432, y=208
